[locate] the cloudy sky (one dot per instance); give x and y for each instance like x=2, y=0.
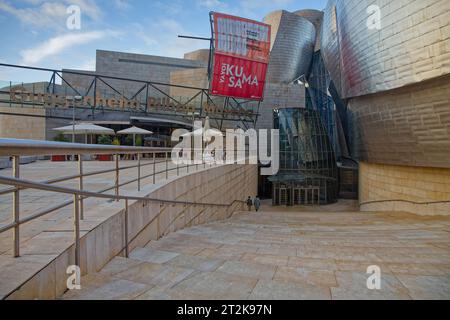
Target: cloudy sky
x=35, y=32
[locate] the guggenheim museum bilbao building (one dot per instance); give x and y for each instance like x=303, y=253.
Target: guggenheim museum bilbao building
x=363, y=85
x=382, y=90
x=395, y=84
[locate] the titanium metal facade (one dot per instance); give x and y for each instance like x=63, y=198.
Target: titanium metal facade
x=293, y=46
x=293, y=38
x=395, y=79
x=412, y=45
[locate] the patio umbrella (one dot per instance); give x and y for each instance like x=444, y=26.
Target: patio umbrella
x=134, y=131
x=84, y=128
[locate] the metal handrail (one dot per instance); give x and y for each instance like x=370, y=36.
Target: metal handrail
x=25, y=147
x=42, y=186
x=88, y=174
x=20, y=147
x=88, y=194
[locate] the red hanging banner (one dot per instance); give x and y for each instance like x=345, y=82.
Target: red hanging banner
x=241, y=56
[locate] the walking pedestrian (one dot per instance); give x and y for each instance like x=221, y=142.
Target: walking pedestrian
x=249, y=203
x=257, y=203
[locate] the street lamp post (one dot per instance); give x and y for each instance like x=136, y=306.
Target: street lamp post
x=77, y=99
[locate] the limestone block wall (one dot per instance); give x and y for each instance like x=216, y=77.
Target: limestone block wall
x=419, y=190
x=199, y=55
x=197, y=78
x=22, y=127
x=132, y=66
x=147, y=221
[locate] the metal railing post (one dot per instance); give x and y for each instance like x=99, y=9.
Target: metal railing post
x=80, y=185
x=126, y=228
x=16, y=207
x=117, y=176
x=139, y=171
x=167, y=165
x=76, y=219
x=154, y=167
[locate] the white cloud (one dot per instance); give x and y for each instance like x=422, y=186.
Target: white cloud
x=143, y=34
x=169, y=42
x=50, y=13
x=58, y=44
x=212, y=4
x=122, y=4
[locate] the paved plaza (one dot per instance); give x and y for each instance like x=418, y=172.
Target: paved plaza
x=286, y=253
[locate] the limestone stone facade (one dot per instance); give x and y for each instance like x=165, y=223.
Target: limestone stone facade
x=423, y=191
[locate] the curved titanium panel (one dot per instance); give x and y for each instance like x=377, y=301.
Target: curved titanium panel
x=412, y=45
x=316, y=18
x=330, y=51
x=407, y=126
x=293, y=46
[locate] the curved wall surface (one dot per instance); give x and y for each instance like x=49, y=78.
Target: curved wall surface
x=412, y=45
x=316, y=18
x=292, y=47
x=408, y=126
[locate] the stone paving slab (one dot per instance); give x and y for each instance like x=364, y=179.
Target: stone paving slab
x=280, y=290
x=152, y=255
x=291, y=253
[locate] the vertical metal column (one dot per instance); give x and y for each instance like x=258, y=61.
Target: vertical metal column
x=126, y=228
x=76, y=219
x=139, y=171
x=167, y=165
x=16, y=203
x=117, y=177
x=154, y=167
x=80, y=185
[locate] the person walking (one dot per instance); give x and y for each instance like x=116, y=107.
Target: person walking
x=257, y=203
x=249, y=203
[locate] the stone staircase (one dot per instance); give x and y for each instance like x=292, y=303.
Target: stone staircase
x=284, y=255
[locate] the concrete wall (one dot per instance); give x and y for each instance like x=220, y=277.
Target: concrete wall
x=147, y=221
x=413, y=185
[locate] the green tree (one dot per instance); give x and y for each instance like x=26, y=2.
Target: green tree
x=104, y=139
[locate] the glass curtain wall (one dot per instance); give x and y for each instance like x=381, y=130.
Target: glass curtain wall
x=308, y=173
